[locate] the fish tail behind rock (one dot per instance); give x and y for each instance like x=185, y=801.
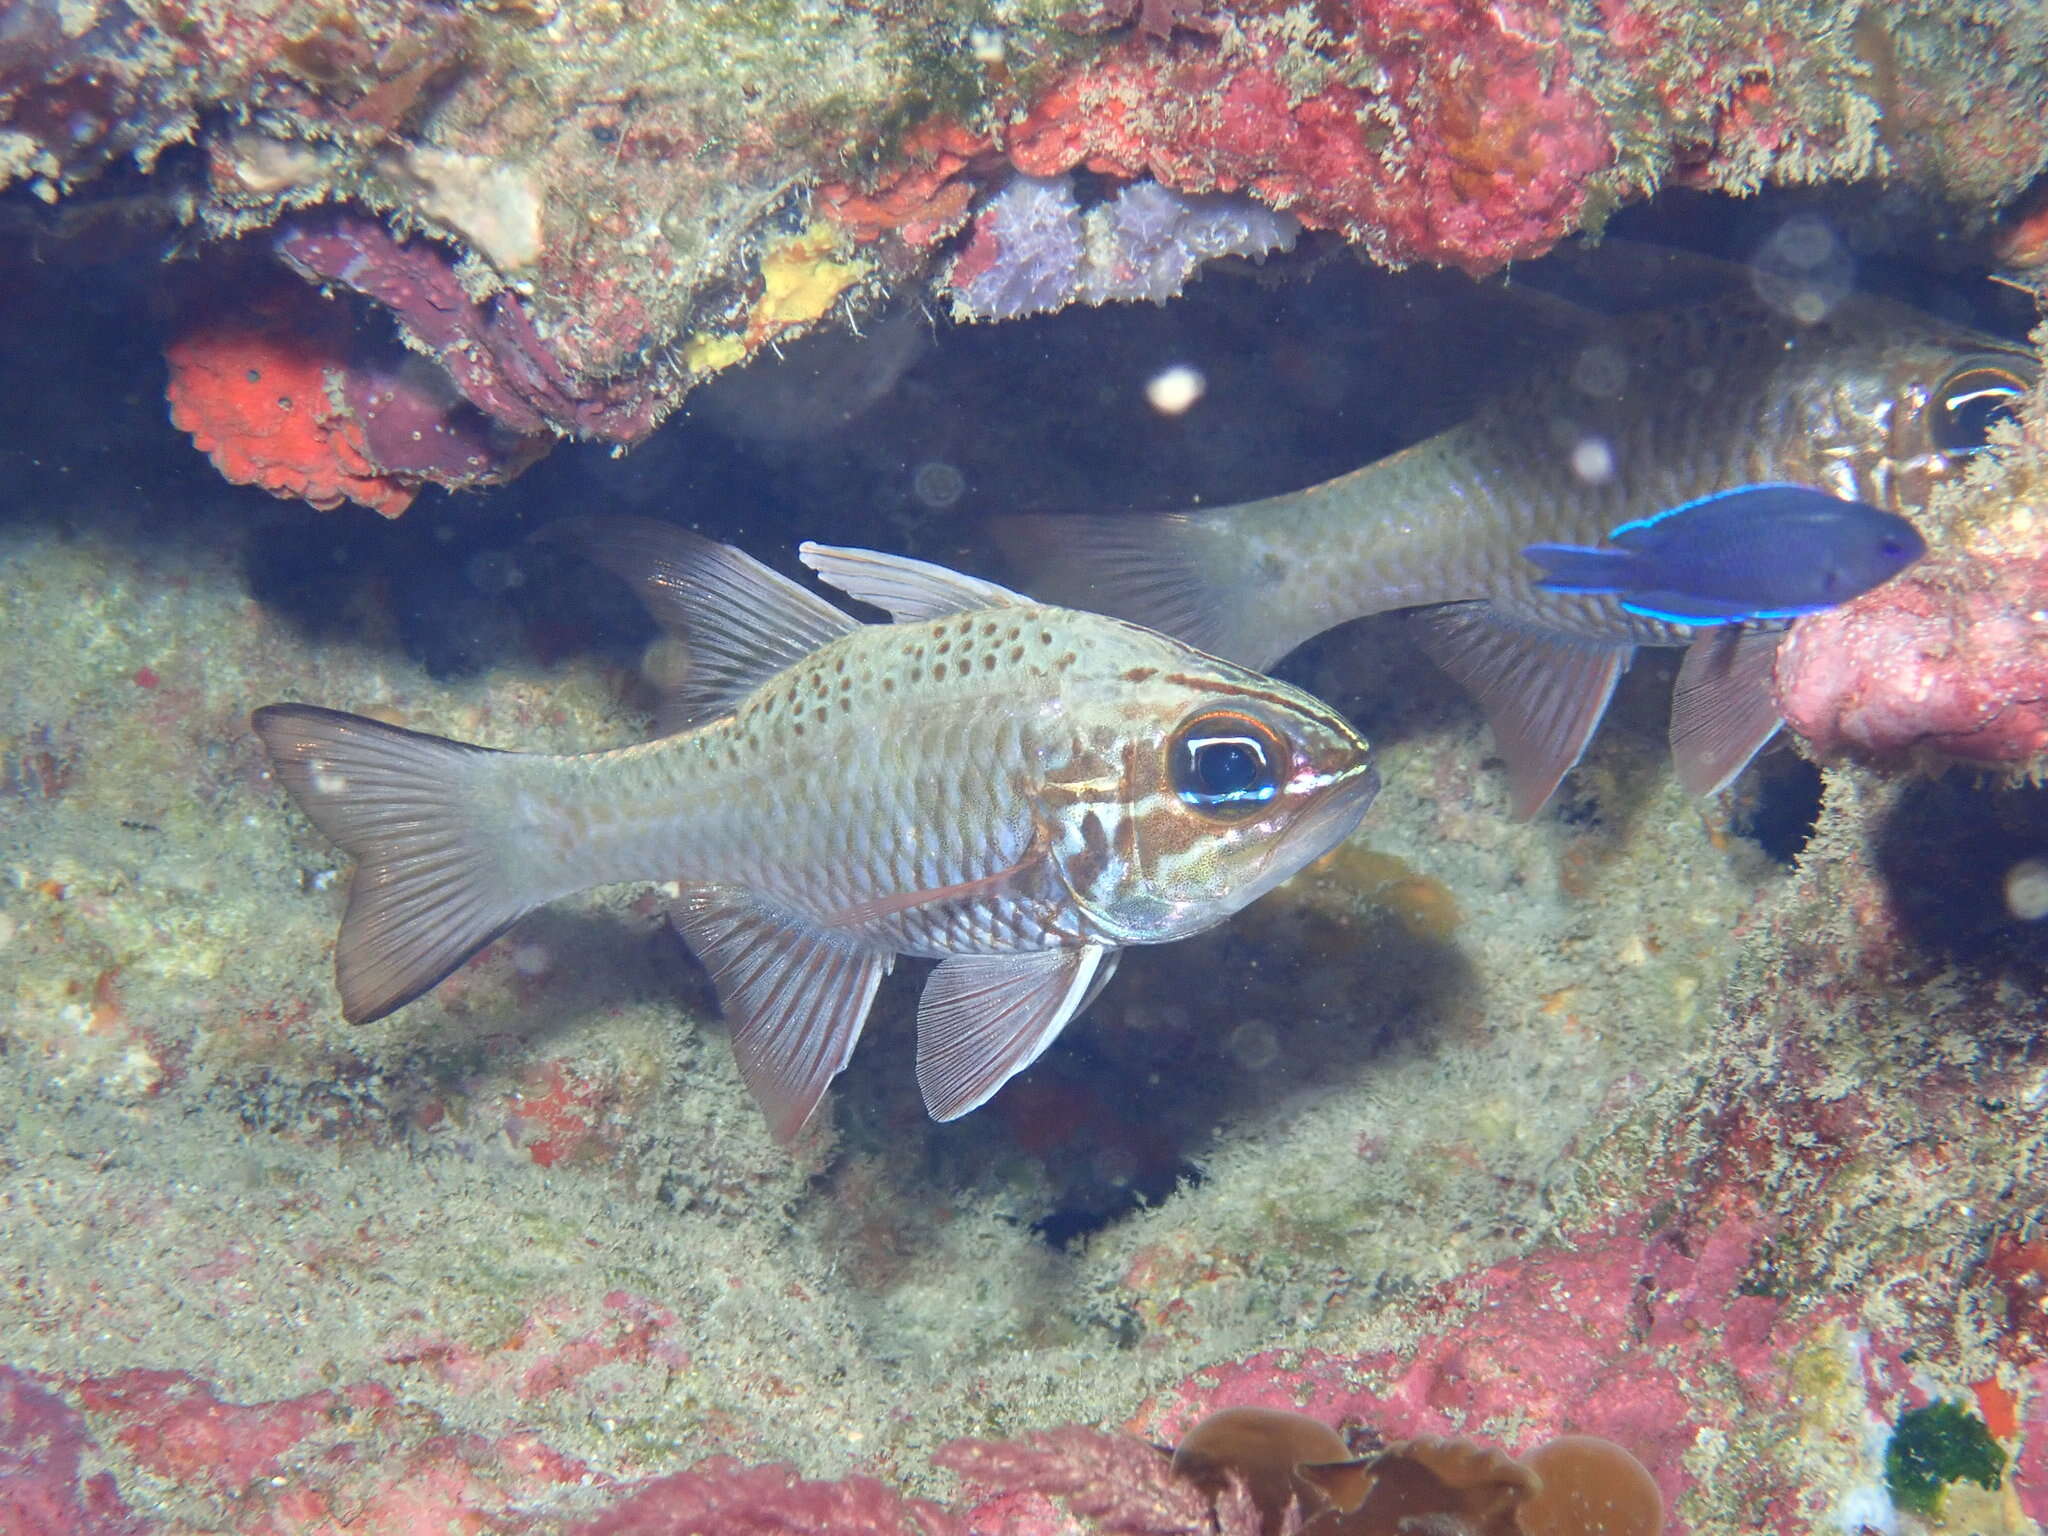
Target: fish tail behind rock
x=1169, y=571
x=430, y=886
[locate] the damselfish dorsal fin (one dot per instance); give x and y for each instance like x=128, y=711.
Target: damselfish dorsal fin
x=1543, y=692
x=741, y=622
x=1723, y=710
x=907, y=590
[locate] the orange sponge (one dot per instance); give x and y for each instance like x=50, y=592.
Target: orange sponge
x=258, y=391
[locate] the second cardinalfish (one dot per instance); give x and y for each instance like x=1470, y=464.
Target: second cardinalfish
x=1876, y=404
x=1016, y=790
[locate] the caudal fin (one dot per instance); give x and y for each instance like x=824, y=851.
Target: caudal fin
x=1169, y=571
x=429, y=887
x=1578, y=568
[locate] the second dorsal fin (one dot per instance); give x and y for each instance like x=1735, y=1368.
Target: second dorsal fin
x=907, y=590
x=741, y=622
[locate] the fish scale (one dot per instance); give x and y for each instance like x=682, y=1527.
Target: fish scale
x=1683, y=406
x=1013, y=789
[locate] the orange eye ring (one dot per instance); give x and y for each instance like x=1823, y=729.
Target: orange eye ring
x=1970, y=400
x=1227, y=765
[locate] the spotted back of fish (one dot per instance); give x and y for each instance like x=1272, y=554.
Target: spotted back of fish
x=1015, y=789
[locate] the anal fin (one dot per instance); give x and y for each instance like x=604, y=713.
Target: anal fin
x=985, y=1018
x=1543, y=692
x=795, y=996
x=1723, y=709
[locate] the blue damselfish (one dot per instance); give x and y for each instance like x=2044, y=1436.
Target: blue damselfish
x=1753, y=553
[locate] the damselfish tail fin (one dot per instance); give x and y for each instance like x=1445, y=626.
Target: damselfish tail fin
x=430, y=887
x=1169, y=571
x=1578, y=568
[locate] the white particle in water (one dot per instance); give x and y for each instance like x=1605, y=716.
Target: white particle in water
x=2026, y=890
x=1593, y=460
x=1172, y=391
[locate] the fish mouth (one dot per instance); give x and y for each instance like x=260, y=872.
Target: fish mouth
x=1317, y=831
x=1335, y=819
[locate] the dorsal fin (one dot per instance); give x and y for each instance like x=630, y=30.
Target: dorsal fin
x=907, y=590
x=741, y=622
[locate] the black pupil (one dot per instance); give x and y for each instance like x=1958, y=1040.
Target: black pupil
x=1970, y=407
x=1223, y=771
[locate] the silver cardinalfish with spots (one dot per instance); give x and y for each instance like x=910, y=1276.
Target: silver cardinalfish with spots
x=1876, y=404
x=1015, y=790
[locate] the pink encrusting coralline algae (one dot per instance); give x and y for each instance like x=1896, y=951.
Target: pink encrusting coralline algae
x=1950, y=663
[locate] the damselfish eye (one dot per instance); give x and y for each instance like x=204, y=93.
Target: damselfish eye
x=1227, y=764
x=1969, y=402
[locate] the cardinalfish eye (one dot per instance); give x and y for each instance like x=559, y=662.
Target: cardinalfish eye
x=1972, y=400
x=1227, y=764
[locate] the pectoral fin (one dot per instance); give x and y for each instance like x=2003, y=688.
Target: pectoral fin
x=985, y=1018
x=1543, y=692
x=1722, y=709
x=796, y=996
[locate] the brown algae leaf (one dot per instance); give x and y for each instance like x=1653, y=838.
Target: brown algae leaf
x=1300, y=1475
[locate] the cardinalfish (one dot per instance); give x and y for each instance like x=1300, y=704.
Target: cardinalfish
x=1015, y=790
x=1875, y=404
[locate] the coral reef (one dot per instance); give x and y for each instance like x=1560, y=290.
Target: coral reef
x=255, y=395
x=1934, y=1446
x=1033, y=250
x=489, y=349
x=1949, y=663
x=1302, y=1476
x=1615, y=1124
x=277, y=392
x=599, y=208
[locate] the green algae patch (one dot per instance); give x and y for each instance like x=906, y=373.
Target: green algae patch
x=1937, y=1445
